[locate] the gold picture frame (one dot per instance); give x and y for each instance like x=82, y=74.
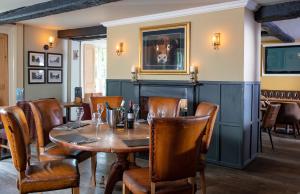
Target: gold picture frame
x=165, y=49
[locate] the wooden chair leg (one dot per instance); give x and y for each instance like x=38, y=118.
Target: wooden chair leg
x=192, y=182
x=260, y=139
x=294, y=129
x=202, y=182
x=93, y=169
x=125, y=189
x=0, y=152
x=152, y=188
x=75, y=190
x=271, y=140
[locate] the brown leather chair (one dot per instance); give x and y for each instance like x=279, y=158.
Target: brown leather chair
x=113, y=101
x=289, y=114
x=181, y=139
x=269, y=121
x=170, y=106
x=3, y=140
x=48, y=114
x=38, y=177
x=211, y=110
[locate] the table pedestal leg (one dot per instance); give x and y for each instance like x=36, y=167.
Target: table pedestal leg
x=116, y=172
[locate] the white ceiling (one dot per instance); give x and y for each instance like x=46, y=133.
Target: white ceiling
x=116, y=10
x=126, y=9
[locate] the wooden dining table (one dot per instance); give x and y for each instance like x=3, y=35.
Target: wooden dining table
x=109, y=141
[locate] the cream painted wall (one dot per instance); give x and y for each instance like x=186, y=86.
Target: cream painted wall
x=278, y=82
x=34, y=39
x=252, y=40
x=225, y=64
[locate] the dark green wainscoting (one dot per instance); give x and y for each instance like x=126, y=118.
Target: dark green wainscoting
x=236, y=134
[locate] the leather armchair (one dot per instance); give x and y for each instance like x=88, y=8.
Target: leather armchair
x=113, y=101
x=170, y=106
x=180, y=138
x=289, y=114
x=48, y=114
x=269, y=120
x=211, y=110
x=38, y=177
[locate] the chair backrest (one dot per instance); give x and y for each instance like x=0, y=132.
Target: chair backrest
x=17, y=133
x=211, y=110
x=47, y=114
x=170, y=106
x=175, y=147
x=113, y=101
x=270, y=116
x=288, y=112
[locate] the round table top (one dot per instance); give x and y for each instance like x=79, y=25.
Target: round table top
x=110, y=140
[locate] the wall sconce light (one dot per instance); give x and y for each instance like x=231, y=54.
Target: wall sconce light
x=119, y=49
x=50, y=42
x=193, y=74
x=216, y=40
x=134, y=73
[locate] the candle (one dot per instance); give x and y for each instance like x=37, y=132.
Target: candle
x=133, y=69
x=192, y=69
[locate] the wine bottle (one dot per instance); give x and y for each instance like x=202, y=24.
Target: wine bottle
x=130, y=117
x=107, y=106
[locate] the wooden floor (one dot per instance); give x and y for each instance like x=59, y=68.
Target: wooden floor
x=271, y=173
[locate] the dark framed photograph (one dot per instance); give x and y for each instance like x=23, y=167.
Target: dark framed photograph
x=54, y=76
x=165, y=49
x=36, y=76
x=36, y=59
x=54, y=60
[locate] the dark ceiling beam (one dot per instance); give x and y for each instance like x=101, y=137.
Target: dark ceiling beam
x=273, y=30
x=83, y=33
x=48, y=8
x=276, y=12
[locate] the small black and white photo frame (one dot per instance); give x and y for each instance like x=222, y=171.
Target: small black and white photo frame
x=36, y=76
x=36, y=59
x=55, y=76
x=54, y=60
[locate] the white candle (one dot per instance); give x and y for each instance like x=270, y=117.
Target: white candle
x=192, y=68
x=133, y=69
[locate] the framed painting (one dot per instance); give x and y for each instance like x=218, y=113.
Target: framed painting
x=54, y=60
x=165, y=49
x=36, y=59
x=54, y=76
x=36, y=76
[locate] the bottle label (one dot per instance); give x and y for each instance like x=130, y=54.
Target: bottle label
x=130, y=116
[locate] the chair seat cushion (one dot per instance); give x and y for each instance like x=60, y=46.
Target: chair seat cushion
x=52, y=175
x=55, y=152
x=138, y=182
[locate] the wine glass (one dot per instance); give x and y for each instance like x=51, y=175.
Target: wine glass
x=161, y=113
x=150, y=117
x=100, y=109
x=79, y=115
x=136, y=109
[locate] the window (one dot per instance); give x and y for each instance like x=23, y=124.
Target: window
x=282, y=60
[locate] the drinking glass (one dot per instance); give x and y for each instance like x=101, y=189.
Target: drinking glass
x=100, y=109
x=161, y=113
x=136, y=109
x=96, y=118
x=99, y=127
x=150, y=117
x=79, y=115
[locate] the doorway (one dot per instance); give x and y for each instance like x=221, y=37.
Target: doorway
x=93, y=66
x=4, y=84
